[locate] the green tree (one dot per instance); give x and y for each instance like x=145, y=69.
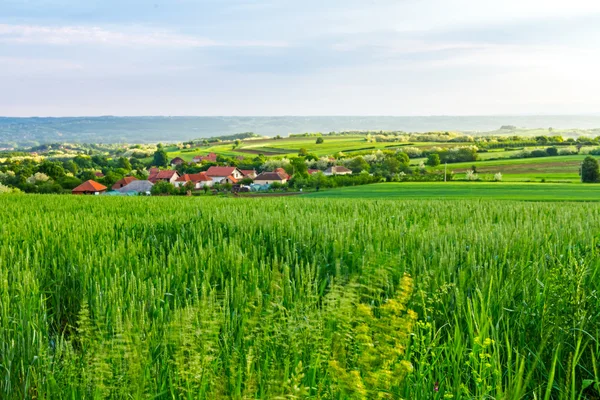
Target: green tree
x=160, y=158
x=124, y=163
x=590, y=170
x=303, y=152
x=391, y=165
x=552, y=151
x=53, y=169
x=403, y=158
x=433, y=160
x=299, y=167
x=358, y=164
x=162, y=188
x=319, y=140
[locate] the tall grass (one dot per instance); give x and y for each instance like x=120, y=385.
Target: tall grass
x=297, y=298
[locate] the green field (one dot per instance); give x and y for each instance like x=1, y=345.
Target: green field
x=217, y=298
x=466, y=190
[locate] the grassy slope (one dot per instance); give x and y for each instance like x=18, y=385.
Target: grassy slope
x=553, y=169
x=467, y=190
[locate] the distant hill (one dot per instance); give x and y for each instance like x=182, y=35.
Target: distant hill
x=35, y=131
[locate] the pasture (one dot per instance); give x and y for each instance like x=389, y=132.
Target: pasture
x=214, y=298
x=466, y=190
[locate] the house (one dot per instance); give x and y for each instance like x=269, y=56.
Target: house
x=338, y=170
x=198, y=180
x=123, y=182
x=137, y=187
x=249, y=173
x=313, y=171
x=211, y=157
x=90, y=187
x=166, y=176
x=282, y=172
x=267, y=178
x=176, y=161
x=224, y=174
x=99, y=174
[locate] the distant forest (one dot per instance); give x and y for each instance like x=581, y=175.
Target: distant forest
x=20, y=132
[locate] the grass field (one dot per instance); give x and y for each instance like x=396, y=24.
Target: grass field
x=216, y=298
x=466, y=190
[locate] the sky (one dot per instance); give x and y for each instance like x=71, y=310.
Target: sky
x=299, y=57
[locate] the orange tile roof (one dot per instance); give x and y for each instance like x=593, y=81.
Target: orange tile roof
x=220, y=171
x=200, y=177
x=89, y=186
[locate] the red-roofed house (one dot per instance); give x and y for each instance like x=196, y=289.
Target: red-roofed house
x=99, y=174
x=313, y=171
x=199, y=180
x=267, y=178
x=249, y=173
x=221, y=174
x=282, y=172
x=166, y=175
x=211, y=157
x=177, y=161
x=338, y=170
x=89, y=187
x=123, y=182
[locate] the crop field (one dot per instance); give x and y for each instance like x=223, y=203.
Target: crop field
x=210, y=298
x=466, y=190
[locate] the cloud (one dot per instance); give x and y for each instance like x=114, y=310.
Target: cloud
x=86, y=35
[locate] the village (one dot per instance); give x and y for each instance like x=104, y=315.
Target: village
x=238, y=180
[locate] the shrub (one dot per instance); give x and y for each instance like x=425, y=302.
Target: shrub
x=162, y=188
x=590, y=171
x=498, y=177
x=471, y=176
x=433, y=160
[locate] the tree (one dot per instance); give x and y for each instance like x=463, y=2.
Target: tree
x=590, y=170
x=391, y=165
x=358, y=164
x=160, y=158
x=319, y=140
x=299, y=167
x=403, y=158
x=433, y=160
x=162, y=188
x=552, y=151
x=124, y=163
x=303, y=152
x=53, y=169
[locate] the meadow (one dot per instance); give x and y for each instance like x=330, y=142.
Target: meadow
x=168, y=298
x=466, y=190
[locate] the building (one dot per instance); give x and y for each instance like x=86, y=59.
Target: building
x=177, y=161
x=267, y=178
x=337, y=170
x=249, y=173
x=224, y=174
x=90, y=187
x=313, y=171
x=211, y=157
x=123, y=182
x=282, y=172
x=198, y=180
x=166, y=176
x=141, y=187
x=99, y=174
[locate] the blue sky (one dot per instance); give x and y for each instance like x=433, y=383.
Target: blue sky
x=284, y=57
